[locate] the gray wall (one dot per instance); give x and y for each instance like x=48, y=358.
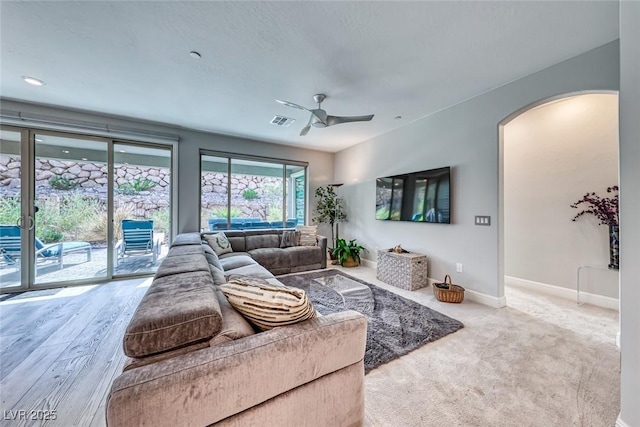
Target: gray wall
x=188, y=179
x=553, y=155
x=629, y=208
x=465, y=137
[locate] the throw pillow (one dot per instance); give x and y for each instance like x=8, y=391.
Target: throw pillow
x=219, y=243
x=307, y=235
x=266, y=305
x=290, y=238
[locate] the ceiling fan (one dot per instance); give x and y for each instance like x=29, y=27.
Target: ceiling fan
x=319, y=117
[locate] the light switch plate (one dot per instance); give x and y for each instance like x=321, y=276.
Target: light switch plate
x=483, y=220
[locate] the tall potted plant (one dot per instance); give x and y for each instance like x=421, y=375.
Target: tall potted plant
x=329, y=210
x=606, y=210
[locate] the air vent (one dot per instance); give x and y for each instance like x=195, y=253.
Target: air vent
x=282, y=121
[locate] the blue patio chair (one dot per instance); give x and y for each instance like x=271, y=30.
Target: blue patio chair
x=137, y=240
x=10, y=247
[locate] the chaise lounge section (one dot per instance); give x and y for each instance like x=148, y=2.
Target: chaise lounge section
x=194, y=360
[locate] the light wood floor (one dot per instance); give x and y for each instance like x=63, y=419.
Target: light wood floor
x=60, y=351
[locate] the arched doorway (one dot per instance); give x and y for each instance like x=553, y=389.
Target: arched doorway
x=551, y=153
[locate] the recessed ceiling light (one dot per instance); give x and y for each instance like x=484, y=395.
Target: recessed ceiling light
x=65, y=151
x=33, y=81
x=195, y=54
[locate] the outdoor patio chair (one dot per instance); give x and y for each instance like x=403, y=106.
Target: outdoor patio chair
x=137, y=240
x=10, y=247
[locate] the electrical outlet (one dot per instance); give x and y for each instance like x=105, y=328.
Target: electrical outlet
x=459, y=267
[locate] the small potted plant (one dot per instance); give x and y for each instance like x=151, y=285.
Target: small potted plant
x=348, y=253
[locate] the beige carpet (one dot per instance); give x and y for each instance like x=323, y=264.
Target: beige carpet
x=542, y=361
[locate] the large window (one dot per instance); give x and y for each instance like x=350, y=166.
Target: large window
x=248, y=193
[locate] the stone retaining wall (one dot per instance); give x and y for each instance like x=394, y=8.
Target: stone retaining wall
x=92, y=178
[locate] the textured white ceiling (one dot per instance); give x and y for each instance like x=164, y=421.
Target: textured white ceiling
x=384, y=58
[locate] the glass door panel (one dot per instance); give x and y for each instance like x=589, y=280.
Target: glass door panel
x=11, y=256
x=295, y=199
x=70, y=201
x=141, y=207
x=214, y=196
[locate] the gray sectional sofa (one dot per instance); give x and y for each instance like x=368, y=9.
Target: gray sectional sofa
x=195, y=361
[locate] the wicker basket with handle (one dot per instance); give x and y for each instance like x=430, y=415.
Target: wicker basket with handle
x=447, y=291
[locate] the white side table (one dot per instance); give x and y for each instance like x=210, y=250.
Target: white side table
x=587, y=267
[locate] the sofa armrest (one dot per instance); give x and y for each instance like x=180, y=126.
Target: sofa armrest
x=212, y=384
x=322, y=242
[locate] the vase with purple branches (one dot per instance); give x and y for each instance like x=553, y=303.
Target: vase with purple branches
x=605, y=209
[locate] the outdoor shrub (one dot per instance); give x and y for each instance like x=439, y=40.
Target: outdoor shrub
x=96, y=229
x=221, y=212
x=50, y=236
x=160, y=219
x=136, y=186
x=63, y=183
x=65, y=215
x=250, y=194
x=9, y=210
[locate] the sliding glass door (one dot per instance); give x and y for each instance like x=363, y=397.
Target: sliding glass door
x=80, y=209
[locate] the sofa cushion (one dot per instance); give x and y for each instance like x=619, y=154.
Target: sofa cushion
x=253, y=270
x=176, y=311
x=213, y=259
x=206, y=248
x=181, y=250
x=186, y=239
x=231, y=262
x=237, y=243
x=179, y=264
x=234, y=325
x=308, y=235
x=219, y=243
x=265, y=305
x=262, y=241
x=275, y=260
x=290, y=238
x=305, y=255
x=217, y=275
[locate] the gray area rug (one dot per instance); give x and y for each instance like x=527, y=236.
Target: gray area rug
x=396, y=325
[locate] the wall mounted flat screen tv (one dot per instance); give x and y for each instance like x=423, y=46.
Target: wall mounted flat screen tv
x=418, y=197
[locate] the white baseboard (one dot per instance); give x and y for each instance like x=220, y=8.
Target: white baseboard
x=558, y=291
x=369, y=263
x=479, y=297
x=468, y=295
x=620, y=423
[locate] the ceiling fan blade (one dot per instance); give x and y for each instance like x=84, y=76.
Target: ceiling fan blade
x=336, y=120
x=292, y=105
x=305, y=130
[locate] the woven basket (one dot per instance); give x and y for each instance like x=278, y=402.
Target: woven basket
x=447, y=291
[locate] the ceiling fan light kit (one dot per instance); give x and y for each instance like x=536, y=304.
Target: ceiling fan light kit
x=319, y=117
